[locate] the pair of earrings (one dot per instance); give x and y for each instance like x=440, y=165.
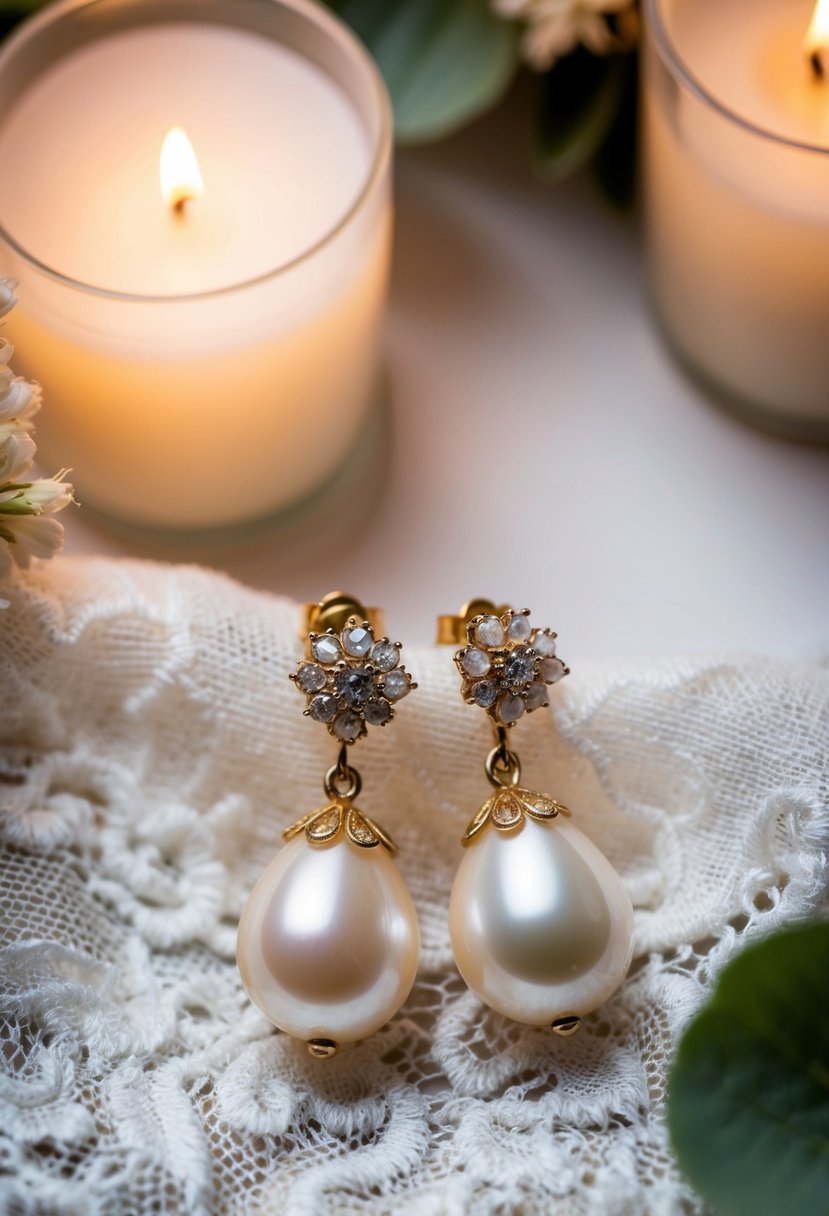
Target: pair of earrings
x=540, y=924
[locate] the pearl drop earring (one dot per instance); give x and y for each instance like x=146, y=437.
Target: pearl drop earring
x=540, y=924
x=328, y=943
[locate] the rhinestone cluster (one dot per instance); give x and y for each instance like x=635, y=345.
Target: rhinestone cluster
x=351, y=680
x=508, y=665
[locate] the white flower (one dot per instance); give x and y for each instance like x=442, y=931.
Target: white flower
x=7, y=296
x=556, y=27
x=28, y=536
x=19, y=398
x=17, y=451
x=48, y=495
x=36, y=536
x=41, y=497
x=27, y=528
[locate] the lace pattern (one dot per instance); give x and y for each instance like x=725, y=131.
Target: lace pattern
x=151, y=754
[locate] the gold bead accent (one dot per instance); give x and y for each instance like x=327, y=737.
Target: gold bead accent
x=566, y=1026
x=322, y=1049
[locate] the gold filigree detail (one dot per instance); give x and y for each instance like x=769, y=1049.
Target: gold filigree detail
x=383, y=836
x=539, y=806
x=325, y=824
x=506, y=810
x=479, y=822
x=359, y=831
x=299, y=825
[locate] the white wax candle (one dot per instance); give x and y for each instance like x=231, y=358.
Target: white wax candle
x=737, y=190
x=749, y=55
x=199, y=411
x=282, y=154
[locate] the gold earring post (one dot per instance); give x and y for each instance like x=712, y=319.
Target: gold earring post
x=451, y=628
x=334, y=610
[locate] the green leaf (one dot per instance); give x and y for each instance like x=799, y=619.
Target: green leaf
x=748, y=1103
x=579, y=101
x=444, y=61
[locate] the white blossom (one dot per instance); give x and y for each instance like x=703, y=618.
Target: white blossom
x=27, y=507
x=555, y=27
x=19, y=399
x=7, y=296
x=33, y=536
x=41, y=497
x=27, y=528
x=49, y=494
x=17, y=451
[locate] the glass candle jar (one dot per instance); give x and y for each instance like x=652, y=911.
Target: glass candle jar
x=212, y=360
x=736, y=183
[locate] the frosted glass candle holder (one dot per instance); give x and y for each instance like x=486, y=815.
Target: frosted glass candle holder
x=737, y=213
x=209, y=367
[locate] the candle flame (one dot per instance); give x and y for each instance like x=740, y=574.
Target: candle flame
x=181, y=178
x=816, y=45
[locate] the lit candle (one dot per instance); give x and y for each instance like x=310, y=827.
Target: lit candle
x=209, y=350
x=178, y=171
x=737, y=194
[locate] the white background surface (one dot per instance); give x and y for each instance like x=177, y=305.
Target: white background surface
x=545, y=449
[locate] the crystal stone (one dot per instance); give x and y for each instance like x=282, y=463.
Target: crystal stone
x=536, y=696
x=385, y=655
x=377, y=713
x=475, y=662
x=519, y=629
x=357, y=641
x=326, y=649
x=348, y=726
x=490, y=632
x=544, y=644
x=510, y=708
x=353, y=687
x=311, y=678
x=395, y=685
x=323, y=707
x=519, y=667
x=551, y=670
x=484, y=693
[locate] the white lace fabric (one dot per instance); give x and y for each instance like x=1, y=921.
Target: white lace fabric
x=152, y=752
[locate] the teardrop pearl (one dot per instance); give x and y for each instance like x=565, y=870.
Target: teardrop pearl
x=328, y=943
x=540, y=923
